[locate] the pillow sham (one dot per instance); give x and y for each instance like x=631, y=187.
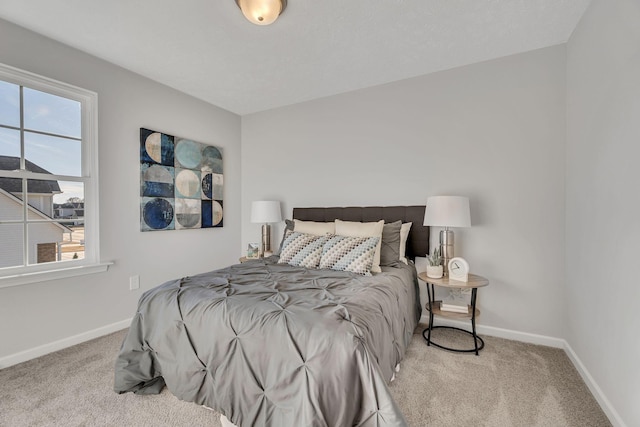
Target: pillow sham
x=313, y=227
x=404, y=235
x=344, y=253
x=288, y=227
x=363, y=229
x=301, y=249
x=390, y=246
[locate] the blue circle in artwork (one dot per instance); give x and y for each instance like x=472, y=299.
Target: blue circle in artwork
x=207, y=186
x=211, y=152
x=188, y=153
x=212, y=159
x=158, y=213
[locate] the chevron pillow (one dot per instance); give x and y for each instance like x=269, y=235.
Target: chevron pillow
x=301, y=249
x=353, y=254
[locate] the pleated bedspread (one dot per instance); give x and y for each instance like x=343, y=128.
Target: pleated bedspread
x=274, y=345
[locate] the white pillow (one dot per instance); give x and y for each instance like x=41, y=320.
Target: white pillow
x=363, y=229
x=315, y=228
x=404, y=234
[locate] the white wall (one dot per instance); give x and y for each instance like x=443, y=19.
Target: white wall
x=603, y=200
x=493, y=131
x=40, y=313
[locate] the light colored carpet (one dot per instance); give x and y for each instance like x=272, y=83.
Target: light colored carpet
x=509, y=384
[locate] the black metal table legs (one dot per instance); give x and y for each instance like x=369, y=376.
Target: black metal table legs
x=477, y=340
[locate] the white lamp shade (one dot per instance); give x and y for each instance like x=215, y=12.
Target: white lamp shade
x=265, y=211
x=447, y=211
x=261, y=12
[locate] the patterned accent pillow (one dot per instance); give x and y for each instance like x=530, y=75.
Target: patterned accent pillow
x=353, y=254
x=302, y=250
x=363, y=229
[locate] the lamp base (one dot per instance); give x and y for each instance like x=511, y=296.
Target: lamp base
x=446, y=249
x=265, y=249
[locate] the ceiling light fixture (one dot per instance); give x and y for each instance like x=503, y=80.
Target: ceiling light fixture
x=262, y=12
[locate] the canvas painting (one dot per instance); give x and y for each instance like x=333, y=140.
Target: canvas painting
x=181, y=183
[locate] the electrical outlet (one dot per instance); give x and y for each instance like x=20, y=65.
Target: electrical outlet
x=134, y=282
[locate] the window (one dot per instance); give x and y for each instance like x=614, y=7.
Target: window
x=48, y=183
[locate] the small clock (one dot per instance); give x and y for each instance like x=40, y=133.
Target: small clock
x=458, y=269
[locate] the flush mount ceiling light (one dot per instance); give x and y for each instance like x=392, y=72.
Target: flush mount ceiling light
x=262, y=12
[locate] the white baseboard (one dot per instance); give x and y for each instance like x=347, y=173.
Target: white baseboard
x=502, y=333
x=23, y=356
x=606, y=406
x=600, y=397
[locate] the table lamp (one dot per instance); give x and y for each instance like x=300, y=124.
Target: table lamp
x=447, y=211
x=265, y=212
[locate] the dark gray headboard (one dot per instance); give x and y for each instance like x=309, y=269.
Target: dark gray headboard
x=418, y=241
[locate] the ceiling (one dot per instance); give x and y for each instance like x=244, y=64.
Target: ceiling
x=317, y=48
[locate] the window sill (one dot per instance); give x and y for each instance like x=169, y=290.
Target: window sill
x=60, y=273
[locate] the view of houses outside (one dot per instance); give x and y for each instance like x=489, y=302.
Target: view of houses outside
x=72, y=211
x=48, y=136
x=49, y=241
x=72, y=246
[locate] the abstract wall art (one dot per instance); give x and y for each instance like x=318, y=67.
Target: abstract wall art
x=181, y=183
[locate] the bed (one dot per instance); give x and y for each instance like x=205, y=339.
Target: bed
x=270, y=344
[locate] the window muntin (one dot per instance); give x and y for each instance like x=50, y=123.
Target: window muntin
x=47, y=157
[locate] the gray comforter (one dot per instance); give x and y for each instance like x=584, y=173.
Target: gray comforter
x=275, y=345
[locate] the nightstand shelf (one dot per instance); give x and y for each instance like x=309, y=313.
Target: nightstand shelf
x=451, y=314
x=433, y=307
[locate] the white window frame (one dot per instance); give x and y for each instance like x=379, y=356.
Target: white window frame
x=12, y=276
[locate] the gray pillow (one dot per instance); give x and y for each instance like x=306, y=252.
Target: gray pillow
x=390, y=248
x=288, y=226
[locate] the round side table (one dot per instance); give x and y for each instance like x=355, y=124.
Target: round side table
x=433, y=306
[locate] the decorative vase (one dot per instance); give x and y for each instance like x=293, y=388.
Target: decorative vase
x=434, y=271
